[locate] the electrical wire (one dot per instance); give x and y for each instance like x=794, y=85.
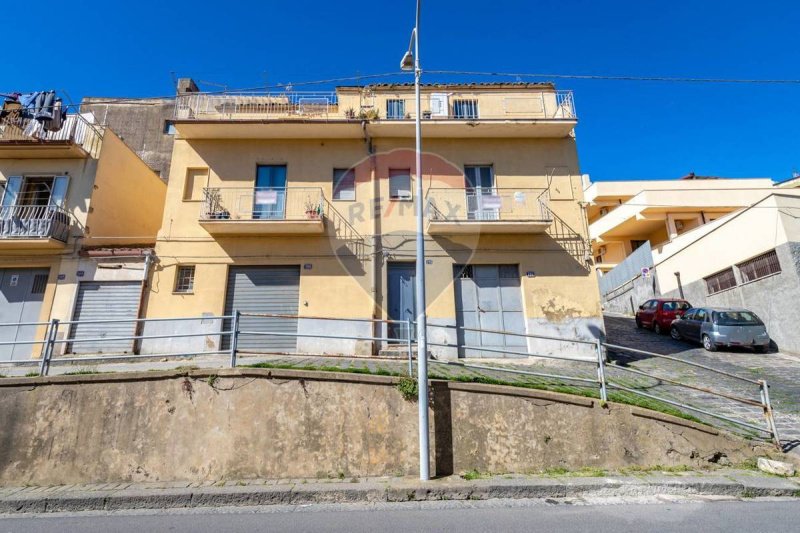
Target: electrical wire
x=670, y=79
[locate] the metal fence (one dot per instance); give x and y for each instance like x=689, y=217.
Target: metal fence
x=487, y=204
x=262, y=203
x=594, y=374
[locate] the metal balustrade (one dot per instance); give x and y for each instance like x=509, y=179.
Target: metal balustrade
x=487, y=204
x=262, y=203
x=34, y=222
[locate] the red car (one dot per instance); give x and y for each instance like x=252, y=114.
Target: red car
x=658, y=314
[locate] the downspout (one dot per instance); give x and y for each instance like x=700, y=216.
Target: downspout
x=148, y=262
x=373, y=211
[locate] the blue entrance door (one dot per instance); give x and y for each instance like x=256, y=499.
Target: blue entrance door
x=402, y=305
x=269, y=197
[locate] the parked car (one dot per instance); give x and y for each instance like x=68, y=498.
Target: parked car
x=658, y=314
x=715, y=326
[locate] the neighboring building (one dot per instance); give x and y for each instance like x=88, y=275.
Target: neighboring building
x=722, y=255
x=79, y=212
x=624, y=215
x=143, y=123
x=791, y=183
x=301, y=204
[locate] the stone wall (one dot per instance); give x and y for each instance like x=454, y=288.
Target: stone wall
x=259, y=423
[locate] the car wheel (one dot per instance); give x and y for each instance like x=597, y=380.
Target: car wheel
x=638, y=324
x=708, y=344
x=657, y=328
x=761, y=349
x=675, y=334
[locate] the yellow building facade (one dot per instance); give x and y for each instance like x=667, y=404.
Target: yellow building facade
x=302, y=205
x=77, y=209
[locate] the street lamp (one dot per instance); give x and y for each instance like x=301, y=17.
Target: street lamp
x=410, y=62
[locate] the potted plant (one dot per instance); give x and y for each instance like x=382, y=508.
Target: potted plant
x=369, y=114
x=350, y=113
x=313, y=210
x=214, y=209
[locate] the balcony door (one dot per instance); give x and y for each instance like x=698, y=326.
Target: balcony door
x=269, y=196
x=32, y=206
x=482, y=201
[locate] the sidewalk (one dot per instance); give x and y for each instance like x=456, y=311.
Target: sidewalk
x=170, y=495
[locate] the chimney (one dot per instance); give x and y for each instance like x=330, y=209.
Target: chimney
x=187, y=85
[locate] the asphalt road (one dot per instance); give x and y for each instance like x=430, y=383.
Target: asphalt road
x=497, y=515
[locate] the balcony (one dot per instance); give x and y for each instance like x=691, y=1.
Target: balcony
x=520, y=113
x=262, y=211
x=33, y=226
x=487, y=211
x=23, y=137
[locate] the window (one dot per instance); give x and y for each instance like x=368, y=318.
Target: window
x=395, y=109
x=759, y=267
x=344, y=184
x=700, y=315
x=637, y=244
x=39, y=284
x=35, y=191
x=689, y=314
x=196, y=181
x=169, y=127
x=400, y=183
x=737, y=318
x=184, y=279
x=465, y=109
x=720, y=281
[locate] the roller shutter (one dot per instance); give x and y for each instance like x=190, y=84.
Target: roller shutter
x=105, y=300
x=269, y=290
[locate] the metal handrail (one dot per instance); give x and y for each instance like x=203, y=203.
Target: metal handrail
x=50, y=340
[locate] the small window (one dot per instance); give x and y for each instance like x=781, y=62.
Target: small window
x=635, y=245
x=184, y=279
x=169, y=127
x=465, y=109
x=400, y=184
x=759, y=267
x=720, y=281
x=700, y=315
x=344, y=184
x=395, y=109
x=196, y=181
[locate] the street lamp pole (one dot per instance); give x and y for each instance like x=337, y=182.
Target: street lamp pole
x=422, y=322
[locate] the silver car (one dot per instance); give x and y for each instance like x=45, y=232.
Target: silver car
x=715, y=326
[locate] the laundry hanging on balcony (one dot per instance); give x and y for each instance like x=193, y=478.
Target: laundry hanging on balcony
x=42, y=106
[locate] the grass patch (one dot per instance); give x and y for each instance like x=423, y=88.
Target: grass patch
x=85, y=372
x=472, y=475
x=31, y=375
x=556, y=471
x=630, y=470
x=653, y=405
x=751, y=463
x=408, y=388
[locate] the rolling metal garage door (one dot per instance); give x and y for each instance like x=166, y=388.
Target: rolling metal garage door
x=272, y=290
x=488, y=297
x=21, y=295
x=105, y=300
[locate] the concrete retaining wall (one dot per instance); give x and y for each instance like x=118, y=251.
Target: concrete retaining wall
x=289, y=424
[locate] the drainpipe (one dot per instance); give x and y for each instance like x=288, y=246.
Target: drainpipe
x=373, y=211
x=148, y=262
x=680, y=287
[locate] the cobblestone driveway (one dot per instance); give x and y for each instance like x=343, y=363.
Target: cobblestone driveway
x=781, y=371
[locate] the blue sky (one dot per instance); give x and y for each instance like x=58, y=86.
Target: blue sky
x=627, y=130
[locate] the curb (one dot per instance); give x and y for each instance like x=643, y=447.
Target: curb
x=75, y=499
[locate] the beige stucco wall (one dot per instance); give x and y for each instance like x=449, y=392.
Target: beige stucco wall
x=267, y=423
x=127, y=202
x=560, y=290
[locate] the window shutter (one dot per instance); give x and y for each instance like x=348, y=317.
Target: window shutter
x=59, y=195
x=12, y=188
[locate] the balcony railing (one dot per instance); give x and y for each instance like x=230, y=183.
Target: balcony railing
x=487, y=205
x=34, y=222
x=76, y=128
x=245, y=106
x=528, y=105
x=262, y=204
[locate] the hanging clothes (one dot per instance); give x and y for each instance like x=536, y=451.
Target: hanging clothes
x=59, y=115
x=43, y=106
